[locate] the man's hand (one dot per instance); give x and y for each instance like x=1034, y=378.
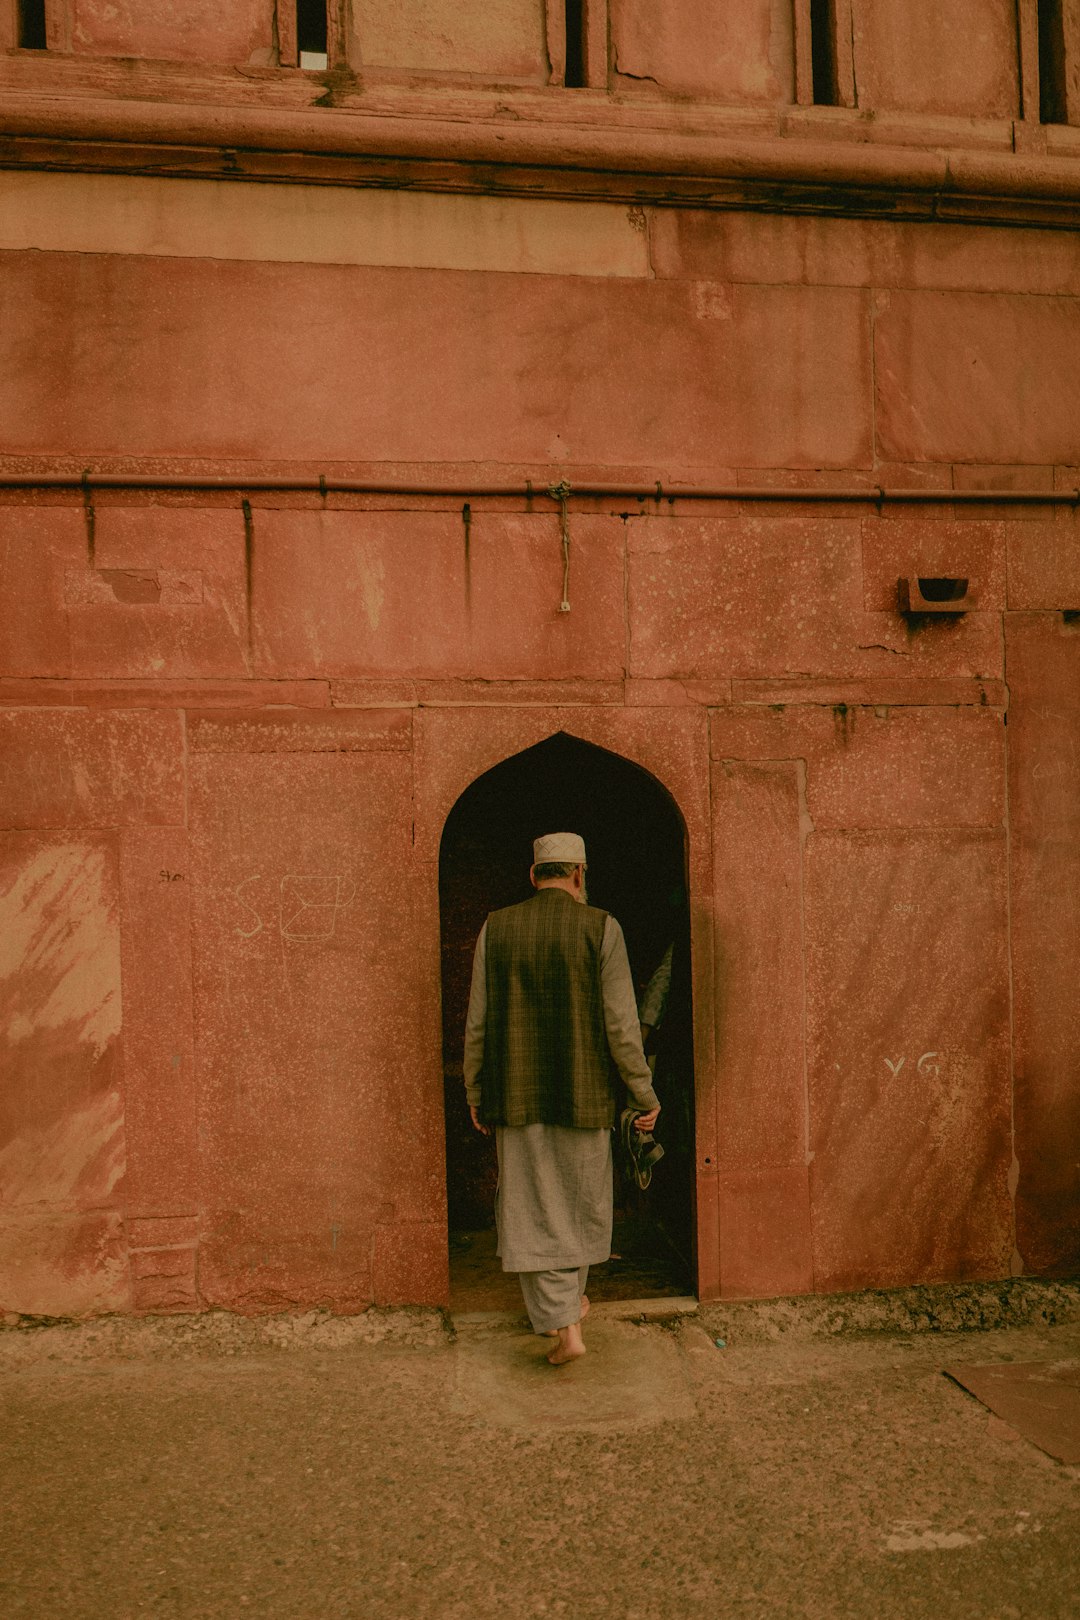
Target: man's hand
x=645, y=1122
x=474, y=1115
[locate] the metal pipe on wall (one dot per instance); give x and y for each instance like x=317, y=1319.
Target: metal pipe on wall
x=657, y=492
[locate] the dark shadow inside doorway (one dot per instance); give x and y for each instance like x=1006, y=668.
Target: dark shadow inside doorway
x=636, y=844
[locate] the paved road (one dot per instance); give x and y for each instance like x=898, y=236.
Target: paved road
x=660, y=1477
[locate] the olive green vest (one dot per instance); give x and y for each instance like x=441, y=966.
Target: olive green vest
x=546, y=1057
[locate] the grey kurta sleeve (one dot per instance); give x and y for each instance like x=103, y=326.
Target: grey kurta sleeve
x=621, y=1018
x=474, y=1023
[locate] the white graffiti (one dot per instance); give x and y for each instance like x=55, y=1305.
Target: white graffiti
x=925, y=1065
x=308, y=905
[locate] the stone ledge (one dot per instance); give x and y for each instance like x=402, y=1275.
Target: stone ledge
x=27, y=1341
x=937, y=1308
x=329, y=145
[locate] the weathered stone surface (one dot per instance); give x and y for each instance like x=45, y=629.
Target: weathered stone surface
x=275, y=731
x=739, y=52
x=62, y=1148
x=504, y=38
x=63, y=1264
x=1044, y=563
x=364, y=693
x=899, y=547
x=219, y=219
x=921, y=767
x=758, y=813
x=955, y=56
x=159, y=1057
x=164, y=1280
x=338, y=593
x=770, y=248
x=166, y=694
x=409, y=1263
x=908, y=1057
x=75, y=768
x=177, y=30
x=166, y=595
x=765, y=1246
x=882, y=693
x=977, y=377
x=765, y=595
x=1043, y=655
x=37, y=547
x=309, y=1017
x=752, y=376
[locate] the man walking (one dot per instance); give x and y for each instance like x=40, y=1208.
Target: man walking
x=551, y=1006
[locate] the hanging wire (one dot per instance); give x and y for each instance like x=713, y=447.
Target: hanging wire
x=561, y=492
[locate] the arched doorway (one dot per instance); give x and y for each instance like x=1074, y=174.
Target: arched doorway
x=636, y=842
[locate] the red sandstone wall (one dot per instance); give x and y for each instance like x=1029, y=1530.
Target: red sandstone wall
x=228, y=748
x=959, y=58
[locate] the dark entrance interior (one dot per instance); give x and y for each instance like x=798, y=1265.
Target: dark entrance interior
x=636, y=844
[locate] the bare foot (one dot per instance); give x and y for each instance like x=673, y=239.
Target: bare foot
x=553, y=1333
x=570, y=1346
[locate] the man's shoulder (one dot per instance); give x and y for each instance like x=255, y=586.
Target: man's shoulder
x=509, y=911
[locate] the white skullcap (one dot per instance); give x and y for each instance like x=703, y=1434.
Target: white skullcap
x=559, y=847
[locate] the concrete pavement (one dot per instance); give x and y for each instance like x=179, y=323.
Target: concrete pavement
x=441, y=1475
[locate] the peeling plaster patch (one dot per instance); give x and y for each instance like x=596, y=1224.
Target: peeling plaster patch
x=59, y=935
x=49, y=1164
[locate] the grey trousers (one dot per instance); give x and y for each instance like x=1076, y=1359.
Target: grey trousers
x=553, y=1298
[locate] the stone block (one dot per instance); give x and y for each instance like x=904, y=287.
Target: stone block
x=761, y=1083
x=337, y=593
x=164, y=1280
x=1043, y=660
x=311, y=224
x=768, y=376
x=972, y=377
x=870, y=768
x=365, y=693
x=63, y=1106
x=274, y=731
x=739, y=52
x=173, y=30
x=903, y=547
x=797, y=249
x=166, y=694
x=163, y=1231
x=166, y=597
x=410, y=1265
x=290, y=1250
x=504, y=39
x=62, y=1149
x=908, y=1057
x=78, y=768
x=1044, y=563
x=159, y=1056
x=765, y=1245
x=37, y=547
x=761, y=595
x=762, y=248
x=881, y=693
x=63, y=1264
x=307, y=983
x=952, y=56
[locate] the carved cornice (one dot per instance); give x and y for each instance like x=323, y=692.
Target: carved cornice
x=626, y=162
